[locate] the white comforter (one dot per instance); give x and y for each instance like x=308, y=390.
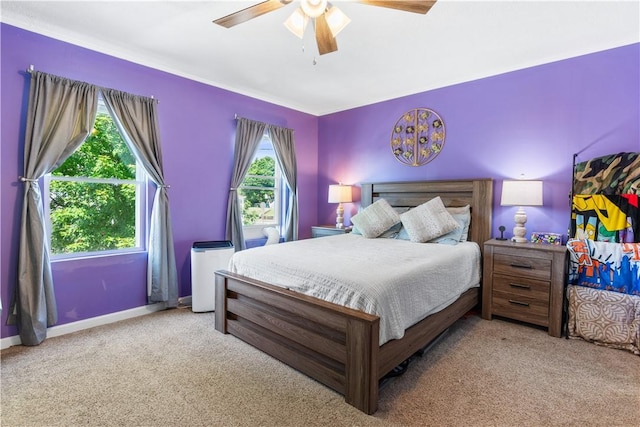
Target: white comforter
x=399, y=281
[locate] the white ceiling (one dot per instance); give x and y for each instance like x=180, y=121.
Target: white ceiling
x=383, y=53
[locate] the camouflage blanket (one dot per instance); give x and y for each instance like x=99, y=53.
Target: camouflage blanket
x=612, y=174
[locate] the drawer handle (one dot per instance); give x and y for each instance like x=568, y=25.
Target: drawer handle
x=523, y=304
x=522, y=266
x=518, y=285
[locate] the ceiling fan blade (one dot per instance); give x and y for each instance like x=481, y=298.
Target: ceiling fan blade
x=324, y=38
x=250, y=12
x=415, y=6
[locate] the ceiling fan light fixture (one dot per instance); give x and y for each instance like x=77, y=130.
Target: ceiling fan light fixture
x=297, y=22
x=336, y=20
x=328, y=20
x=313, y=8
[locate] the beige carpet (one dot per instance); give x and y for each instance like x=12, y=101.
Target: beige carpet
x=173, y=369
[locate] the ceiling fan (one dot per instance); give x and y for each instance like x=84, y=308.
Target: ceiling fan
x=328, y=19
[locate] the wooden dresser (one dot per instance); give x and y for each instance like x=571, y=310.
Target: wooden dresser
x=525, y=282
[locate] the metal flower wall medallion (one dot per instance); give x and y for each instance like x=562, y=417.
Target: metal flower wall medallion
x=417, y=137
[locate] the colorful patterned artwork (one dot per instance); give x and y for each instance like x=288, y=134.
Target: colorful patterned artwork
x=605, y=224
x=602, y=265
x=606, y=218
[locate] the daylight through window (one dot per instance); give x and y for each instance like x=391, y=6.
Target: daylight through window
x=260, y=192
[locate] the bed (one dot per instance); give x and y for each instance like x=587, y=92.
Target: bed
x=603, y=292
x=336, y=345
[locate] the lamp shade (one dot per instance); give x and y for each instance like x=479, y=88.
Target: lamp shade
x=521, y=193
x=339, y=193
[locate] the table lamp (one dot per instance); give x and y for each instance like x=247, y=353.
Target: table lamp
x=521, y=193
x=339, y=193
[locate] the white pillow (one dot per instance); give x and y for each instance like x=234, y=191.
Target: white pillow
x=375, y=219
x=391, y=233
x=428, y=221
x=462, y=214
x=453, y=237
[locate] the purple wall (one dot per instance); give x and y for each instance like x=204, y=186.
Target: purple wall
x=197, y=130
x=527, y=122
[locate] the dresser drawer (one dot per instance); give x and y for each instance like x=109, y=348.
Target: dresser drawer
x=521, y=308
x=519, y=266
x=522, y=287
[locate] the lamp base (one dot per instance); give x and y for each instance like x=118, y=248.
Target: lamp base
x=519, y=231
x=339, y=216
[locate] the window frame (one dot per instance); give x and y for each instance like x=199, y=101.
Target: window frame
x=142, y=186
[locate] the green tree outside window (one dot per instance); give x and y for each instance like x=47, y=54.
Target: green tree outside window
x=258, y=192
x=93, y=194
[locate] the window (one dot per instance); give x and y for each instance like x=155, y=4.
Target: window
x=261, y=192
x=96, y=196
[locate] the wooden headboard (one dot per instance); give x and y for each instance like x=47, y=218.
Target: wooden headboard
x=477, y=193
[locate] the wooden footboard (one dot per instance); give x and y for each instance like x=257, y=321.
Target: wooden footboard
x=336, y=346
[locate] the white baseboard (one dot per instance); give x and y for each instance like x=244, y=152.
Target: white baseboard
x=80, y=325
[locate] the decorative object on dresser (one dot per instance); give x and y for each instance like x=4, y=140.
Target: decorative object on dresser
x=546, y=238
x=328, y=230
x=521, y=193
x=525, y=282
x=501, y=229
x=417, y=137
x=340, y=193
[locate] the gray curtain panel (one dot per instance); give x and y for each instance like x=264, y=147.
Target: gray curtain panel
x=136, y=118
x=248, y=136
x=60, y=115
x=284, y=147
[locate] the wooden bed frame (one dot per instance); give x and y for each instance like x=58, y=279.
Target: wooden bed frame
x=335, y=345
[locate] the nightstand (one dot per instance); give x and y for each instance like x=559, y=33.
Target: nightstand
x=327, y=230
x=525, y=282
